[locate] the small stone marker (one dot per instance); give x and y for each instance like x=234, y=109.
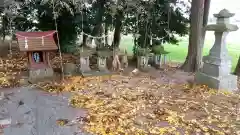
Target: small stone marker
x=142, y=63
x=69, y=68
x=84, y=64
x=216, y=69
x=102, y=56
x=102, y=63
x=158, y=60
x=151, y=59
x=164, y=59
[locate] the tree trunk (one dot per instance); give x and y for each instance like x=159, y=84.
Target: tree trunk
x=4, y=27
x=134, y=49
x=205, y=22
x=117, y=31
x=84, y=29
x=3, y=36
x=193, y=60
x=98, y=29
x=84, y=43
x=106, y=34
x=205, y=16
x=237, y=69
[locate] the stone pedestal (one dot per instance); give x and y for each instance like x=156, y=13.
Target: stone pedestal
x=102, y=56
x=142, y=63
x=102, y=64
x=84, y=64
x=228, y=82
x=69, y=68
x=151, y=59
x=164, y=59
x=40, y=74
x=157, y=60
x=216, y=69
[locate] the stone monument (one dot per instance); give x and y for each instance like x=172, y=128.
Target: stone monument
x=216, y=69
x=142, y=63
x=84, y=65
x=69, y=69
x=157, y=60
x=102, y=56
x=159, y=55
x=102, y=64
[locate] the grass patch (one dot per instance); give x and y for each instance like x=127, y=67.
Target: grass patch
x=178, y=52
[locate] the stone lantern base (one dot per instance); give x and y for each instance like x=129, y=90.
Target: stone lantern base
x=228, y=82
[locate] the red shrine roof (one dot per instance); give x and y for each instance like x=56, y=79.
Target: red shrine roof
x=36, y=41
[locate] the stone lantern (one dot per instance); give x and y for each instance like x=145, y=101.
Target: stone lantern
x=216, y=70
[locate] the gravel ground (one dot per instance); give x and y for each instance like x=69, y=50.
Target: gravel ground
x=34, y=112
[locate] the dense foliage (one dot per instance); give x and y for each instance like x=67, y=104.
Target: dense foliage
x=159, y=20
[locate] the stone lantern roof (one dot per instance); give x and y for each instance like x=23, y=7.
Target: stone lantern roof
x=224, y=14
x=222, y=24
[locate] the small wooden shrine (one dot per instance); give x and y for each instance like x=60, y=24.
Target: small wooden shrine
x=38, y=45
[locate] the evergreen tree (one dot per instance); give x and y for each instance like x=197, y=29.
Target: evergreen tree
x=156, y=20
x=146, y=19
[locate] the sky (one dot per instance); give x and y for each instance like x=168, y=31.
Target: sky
x=217, y=5
x=232, y=5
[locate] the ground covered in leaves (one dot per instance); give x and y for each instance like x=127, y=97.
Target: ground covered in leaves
x=14, y=68
x=139, y=105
